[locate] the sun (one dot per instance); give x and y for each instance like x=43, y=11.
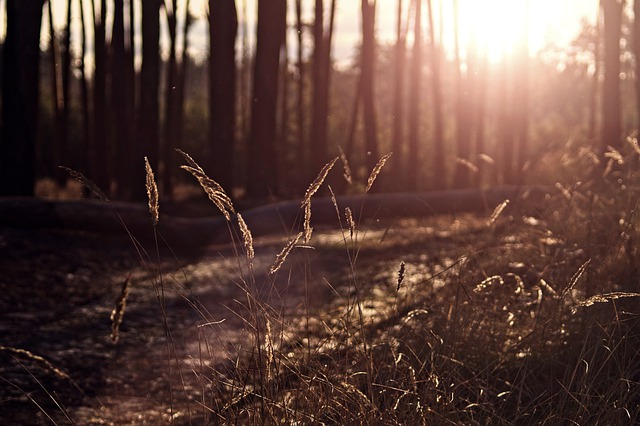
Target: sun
x=495, y=27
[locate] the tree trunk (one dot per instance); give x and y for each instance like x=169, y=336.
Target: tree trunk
x=119, y=108
x=595, y=81
x=398, y=159
x=635, y=45
x=262, y=147
x=171, y=92
x=303, y=151
x=611, y=109
x=521, y=100
x=439, y=169
x=462, y=176
x=148, y=117
x=367, y=71
x=99, y=152
x=286, y=161
x=53, y=150
x=182, y=75
x=414, y=113
x=21, y=59
x=87, y=141
x=223, y=26
x=321, y=75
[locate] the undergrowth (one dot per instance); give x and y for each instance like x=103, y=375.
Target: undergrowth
x=526, y=316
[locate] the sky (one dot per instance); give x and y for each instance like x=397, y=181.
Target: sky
x=551, y=21
x=494, y=23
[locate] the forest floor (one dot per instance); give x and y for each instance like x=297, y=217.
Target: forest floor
x=58, y=289
x=187, y=320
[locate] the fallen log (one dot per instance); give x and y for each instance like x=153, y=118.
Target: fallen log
x=282, y=217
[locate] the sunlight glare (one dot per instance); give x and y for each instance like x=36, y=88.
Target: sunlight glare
x=494, y=27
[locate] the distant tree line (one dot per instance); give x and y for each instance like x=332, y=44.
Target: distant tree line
x=264, y=122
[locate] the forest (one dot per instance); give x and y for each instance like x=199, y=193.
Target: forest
x=104, y=95
x=417, y=212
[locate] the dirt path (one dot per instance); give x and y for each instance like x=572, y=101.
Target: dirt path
x=57, y=290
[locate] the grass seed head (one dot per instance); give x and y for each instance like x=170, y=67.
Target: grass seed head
x=152, y=192
x=246, y=237
x=376, y=170
x=308, y=230
x=281, y=257
x=118, y=311
x=87, y=183
x=317, y=183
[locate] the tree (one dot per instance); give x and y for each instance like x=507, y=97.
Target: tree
x=121, y=102
x=98, y=152
x=635, y=46
x=400, y=53
x=367, y=72
x=413, y=113
x=461, y=177
x=21, y=59
x=223, y=27
x=170, y=100
x=148, y=116
x=611, y=109
x=262, y=170
x=321, y=76
x=439, y=171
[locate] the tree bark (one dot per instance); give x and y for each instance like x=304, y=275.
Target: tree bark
x=148, y=117
x=321, y=76
x=99, y=152
x=439, y=169
x=223, y=26
x=414, y=113
x=611, y=108
x=21, y=59
x=119, y=109
x=400, y=49
x=170, y=102
x=303, y=151
x=635, y=45
x=367, y=71
x=262, y=147
x=462, y=176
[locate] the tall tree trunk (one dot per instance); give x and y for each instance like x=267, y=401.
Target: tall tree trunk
x=147, y=143
x=84, y=93
x=21, y=59
x=99, y=152
x=415, y=79
x=262, y=148
x=223, y=27
x=182, y=75
x=439, y=169
x=479, y=113
x=463, y=123
x=635, y=45
x=286, y=161
x=303, y=151
x=503, y=151
x=54, y=148
x=170, y=103
x=595, y=81
x=367, y=72
x=118, y=93
x=321, y=74
x=65, y=59
x=611, y=109
x=521, y=99
x=398, y=160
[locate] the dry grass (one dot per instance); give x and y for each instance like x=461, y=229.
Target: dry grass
x=523, y=316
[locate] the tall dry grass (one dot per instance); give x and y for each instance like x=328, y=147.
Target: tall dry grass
x=520, y=316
